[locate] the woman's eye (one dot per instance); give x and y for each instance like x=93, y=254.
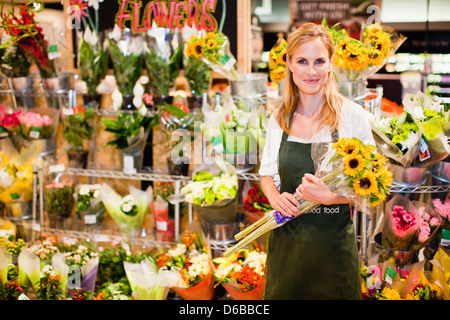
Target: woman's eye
x=302, y=61
x=320, y=61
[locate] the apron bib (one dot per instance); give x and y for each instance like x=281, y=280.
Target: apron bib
x=314, y=256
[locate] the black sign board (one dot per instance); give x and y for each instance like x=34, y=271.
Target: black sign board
x=318, y=9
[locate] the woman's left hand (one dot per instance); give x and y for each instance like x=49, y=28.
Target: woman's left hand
x=314, y=189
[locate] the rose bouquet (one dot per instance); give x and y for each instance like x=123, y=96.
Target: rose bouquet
x=192, y=261
x=256, y=203
x=89, y=205
x=443, y=208
x=242, y=274
x=213, y=49
x=147, y=281
x=433, y=120
x=277, y=60
x=350, y=168
x=129, y=211
x=162, y=55
x=25, y=33
x=401, y=223
x=41, y=124
x=429, y=223
x=397, y=136
x=9, y=123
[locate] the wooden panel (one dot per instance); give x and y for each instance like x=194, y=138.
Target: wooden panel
x=244, y=36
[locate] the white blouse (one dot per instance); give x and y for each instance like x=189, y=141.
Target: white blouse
x=354, y=124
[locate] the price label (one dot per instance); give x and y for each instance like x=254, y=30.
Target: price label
x=90, y=219
x=128, y=165
x=56, y=168
x=101, y=238
x=35, y=132
x=389, y=274
x=445, y=239
x=36, y=227
x=161, y=225
x=69, y=241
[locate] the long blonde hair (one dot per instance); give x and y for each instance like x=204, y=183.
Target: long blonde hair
x=330, y=113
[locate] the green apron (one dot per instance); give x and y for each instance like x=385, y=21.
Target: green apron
x=314, y=256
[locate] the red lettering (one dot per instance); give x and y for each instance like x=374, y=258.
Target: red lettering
x=208, y=21
x=152, y=8
x=193, y=13
x=124, y=13
x=180, y=16
x=136, y=16
x=165, y=20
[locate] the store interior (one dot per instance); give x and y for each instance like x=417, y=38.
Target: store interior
x=154, y=143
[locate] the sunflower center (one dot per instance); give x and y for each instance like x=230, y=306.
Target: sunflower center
x=353, y=163
x=350, y=150
x=198, y=49
x=365, y=183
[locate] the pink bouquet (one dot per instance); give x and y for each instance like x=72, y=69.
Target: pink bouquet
x=401, y=223
x=36, y=126
x=429, y=223
x=10, y=122
x=444, y=211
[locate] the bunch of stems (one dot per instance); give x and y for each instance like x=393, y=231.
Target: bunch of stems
x=268, y=222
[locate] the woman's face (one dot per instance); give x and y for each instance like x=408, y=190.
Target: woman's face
x=310, y=66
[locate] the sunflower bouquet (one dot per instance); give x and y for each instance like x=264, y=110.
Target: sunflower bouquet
x=214, y=50
x=277, y=60
x=356, y=60
x=349, y=168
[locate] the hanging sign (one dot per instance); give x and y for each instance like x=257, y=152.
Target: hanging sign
x=170, y=14
x=319, y=9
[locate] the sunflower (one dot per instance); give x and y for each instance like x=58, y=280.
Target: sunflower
x=278, y=74
x=367, y=184
x=211, y=44
x=281, y=58
x=354, y=163
x=347, y=146
x=197, y=49
x=351, y=54
x=378, y=160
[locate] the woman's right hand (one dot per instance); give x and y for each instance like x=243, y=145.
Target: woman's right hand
x=286, y=204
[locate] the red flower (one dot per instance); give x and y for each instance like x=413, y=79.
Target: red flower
x=78, y=8
x=11, y=121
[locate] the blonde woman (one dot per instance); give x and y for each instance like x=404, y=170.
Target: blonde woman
x=315, y=255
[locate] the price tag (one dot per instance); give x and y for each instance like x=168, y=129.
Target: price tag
x=23, y=297
x=36, y=227
x=217, y=143
x=161, y=225
x=56, y=168
x=389, y=274
x=69, y=241
x=68, y=111
x=53, y=52
x=424, y=152
x=35, y=132
x=101, y=238
x=128, y=165
x=228, y=62
x=90, y=219
x=445, y=239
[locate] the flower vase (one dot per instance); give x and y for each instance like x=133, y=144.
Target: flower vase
x=398, y=258
x=65, y=81
x=18, y=210
x=23, y=87
x=255, y=294
x=44, y=147
x=202, y=291
x=131, y=158
x=355, y=90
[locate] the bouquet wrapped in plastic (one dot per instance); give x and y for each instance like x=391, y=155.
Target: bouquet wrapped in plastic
x=432, y=118
x=429, y=224
x=397, y=137
x=129, y=211
x=242, y=274
x=349, y=168
x=88, y=203
x=147, y=282
x=426, y=286
x=213, y=191
x=277, y=60
x=213, y=48
x=191, y=258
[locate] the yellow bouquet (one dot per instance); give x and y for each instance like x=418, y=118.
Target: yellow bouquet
x=277, y=60
x=349, y=168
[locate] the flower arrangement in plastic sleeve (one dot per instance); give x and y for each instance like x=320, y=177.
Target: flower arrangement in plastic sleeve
x=383, y=282
x=129, y=211
x=9, y=122
x=37, y=126
x=358, y=59
x=214, y=49
x=443, y=208
x=85, y=260
x=350, y=168
x=59, y=198
x=147, y=281
x=242, y=274
x=78, y=126
x=277, y=60
x=397, y=136
x=163, y=53
x=191, y=258
x=429, y=224
x=92, y=58
x=89, y=204
x=13, y=62
x=433, y=119
x=49, y=287
x=431, y=285
x=25, y=32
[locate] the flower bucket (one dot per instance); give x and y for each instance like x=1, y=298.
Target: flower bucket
x=226, y=213
x=131, y=158
x=397, y=257
x=441, y=170
x=202, y=291
x=355, y=90
x=408, y=177
x=255, y=294
x=250, y=88
x=24, y=88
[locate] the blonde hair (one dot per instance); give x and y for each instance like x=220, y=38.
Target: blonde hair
x=330, y=113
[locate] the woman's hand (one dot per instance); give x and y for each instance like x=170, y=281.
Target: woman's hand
x=314, y=189
x=286, y=203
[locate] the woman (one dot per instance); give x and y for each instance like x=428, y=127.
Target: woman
x=315, y=255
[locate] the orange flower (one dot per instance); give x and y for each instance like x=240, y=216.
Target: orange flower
x=57, y=277
x=162, y=260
